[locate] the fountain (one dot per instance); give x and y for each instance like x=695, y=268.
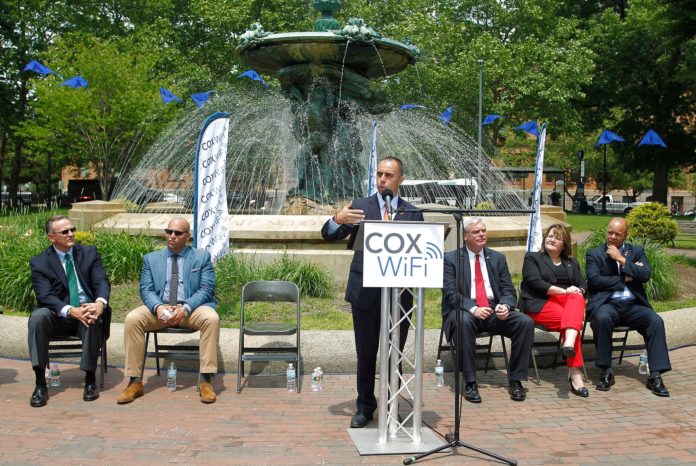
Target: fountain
x=296, y=155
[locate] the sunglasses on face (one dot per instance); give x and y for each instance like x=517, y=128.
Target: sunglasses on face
x=174, y=232
x=65, y=232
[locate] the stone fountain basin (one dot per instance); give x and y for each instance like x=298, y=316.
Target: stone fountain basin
x=384, y=57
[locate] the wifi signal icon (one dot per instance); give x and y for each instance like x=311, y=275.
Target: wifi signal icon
x=433, y=251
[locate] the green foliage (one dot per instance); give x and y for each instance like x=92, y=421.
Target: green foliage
x=122, y=254
x=663, y=281
x=485, y=205
x=652, y=221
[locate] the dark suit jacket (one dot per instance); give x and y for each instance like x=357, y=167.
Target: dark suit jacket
x=498, y=276
x=51, y=285
x=355, y=293
x=538, y=275
x=603, y=277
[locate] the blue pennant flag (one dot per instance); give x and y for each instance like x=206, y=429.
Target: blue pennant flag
x=201, y=99
x=446, y=116
x=410, y=106
x=530, y=127
x=651, y=138
x=38, y=67
x=168, y=96
x=606, y=137
x=490, y=119
x=254, y=76
x=75, y=82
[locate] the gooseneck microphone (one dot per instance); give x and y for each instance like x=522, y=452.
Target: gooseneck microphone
x=388, y=195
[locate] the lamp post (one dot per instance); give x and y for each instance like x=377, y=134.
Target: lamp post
x=480, y=130
x=605, y=138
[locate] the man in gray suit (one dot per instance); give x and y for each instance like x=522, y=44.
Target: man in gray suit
x=177, y=286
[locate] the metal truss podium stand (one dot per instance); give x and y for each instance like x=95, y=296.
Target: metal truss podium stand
x=393, y=436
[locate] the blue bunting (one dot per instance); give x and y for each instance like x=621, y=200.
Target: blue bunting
x=75, y=82
x=530, y=127
x=254, y=76
x=606, y=137
x=651, y=138
x=446, y=116
x=201, y=99
x=168, y=96
x=490, y=119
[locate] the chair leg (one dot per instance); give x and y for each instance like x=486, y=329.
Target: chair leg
x=536, y=369
x=488, y=353
x=147, y=341
x=102, y=365
x=623, y=346
x=505, y=356
x=157, y=355
x=439, y=346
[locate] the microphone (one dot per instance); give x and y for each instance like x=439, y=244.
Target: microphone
x=388, y=195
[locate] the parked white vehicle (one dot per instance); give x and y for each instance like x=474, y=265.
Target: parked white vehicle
x=594, y=205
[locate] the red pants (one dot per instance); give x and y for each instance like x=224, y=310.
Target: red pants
x=561, y=312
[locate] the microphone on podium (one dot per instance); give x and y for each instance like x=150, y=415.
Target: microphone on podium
x=388, y=195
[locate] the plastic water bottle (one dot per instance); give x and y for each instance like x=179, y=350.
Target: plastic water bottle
x=439, y=374
x=320, y=372
x=291, y=378
x=55, y=375
x=315, y=380
x=171, y=377
x=643, y=363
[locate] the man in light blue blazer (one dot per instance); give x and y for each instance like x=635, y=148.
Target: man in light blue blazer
x=177, y=286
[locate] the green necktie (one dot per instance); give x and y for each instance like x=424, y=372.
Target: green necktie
x=72, y=282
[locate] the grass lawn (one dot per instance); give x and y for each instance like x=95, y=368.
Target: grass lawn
x=587, y=222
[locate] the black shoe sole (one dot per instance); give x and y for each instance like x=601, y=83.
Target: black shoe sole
x=473, y=400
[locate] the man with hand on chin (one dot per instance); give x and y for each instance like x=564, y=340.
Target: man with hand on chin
x=616, y=273
x=72, y=292
x=487, y=297
x=177, y=286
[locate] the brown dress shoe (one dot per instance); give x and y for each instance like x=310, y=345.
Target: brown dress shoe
x=132, y=391
x=207, y=393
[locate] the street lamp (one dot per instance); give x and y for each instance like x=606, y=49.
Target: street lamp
x=605, y=138
x=480, y=129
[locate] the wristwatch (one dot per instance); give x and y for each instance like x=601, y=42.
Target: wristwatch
x=186, y=312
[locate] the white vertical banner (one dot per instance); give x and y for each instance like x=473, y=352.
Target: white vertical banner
x=372, y=165
x=210, y=214
x=535, y=236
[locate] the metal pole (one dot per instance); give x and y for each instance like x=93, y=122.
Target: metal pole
x=418, y=370
x=604, y=183
x=393, y=374
x=480, y=131
x=382, y=404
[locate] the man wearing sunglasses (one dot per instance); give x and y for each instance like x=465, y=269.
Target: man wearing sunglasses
x=72, y=293
x=177, y=286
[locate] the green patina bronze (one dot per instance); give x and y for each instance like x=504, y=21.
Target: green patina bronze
x=327, y=74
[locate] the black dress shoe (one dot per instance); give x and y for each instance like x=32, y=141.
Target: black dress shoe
x=606, y=380
x=657, y=386
x=582, y=391
x=360, y=420
x=517, y=392
x=39, y=397
x=91, y=393
x=568, y=352
x=471, y=393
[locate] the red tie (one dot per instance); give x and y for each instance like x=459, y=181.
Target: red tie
x=481, y=298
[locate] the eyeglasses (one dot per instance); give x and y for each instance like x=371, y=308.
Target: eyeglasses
x=174, y=232
x=65, y=232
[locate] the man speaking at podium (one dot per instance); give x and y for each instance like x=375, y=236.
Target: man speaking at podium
x=365, y=302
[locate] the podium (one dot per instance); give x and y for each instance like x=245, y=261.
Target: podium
x=398, y=256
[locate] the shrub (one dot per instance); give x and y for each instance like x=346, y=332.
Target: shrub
x=122, y=254
x=485, y=205
x=662, y=284
x=652, y=221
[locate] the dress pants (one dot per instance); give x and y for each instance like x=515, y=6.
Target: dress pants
x=638, y=317
x=366, y=327
x=43, y=324
x=518, y=327
x=141, y=320
x=560, y=313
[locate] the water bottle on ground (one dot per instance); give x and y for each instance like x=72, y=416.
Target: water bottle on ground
x=291, y=377
x=171, y=377
x=643, y=364
x=315, y=380
x=320, y=372
x=55, y=375
x=439, y=374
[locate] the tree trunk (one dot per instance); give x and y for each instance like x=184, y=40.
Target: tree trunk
x=659, y=193
x=3, y=148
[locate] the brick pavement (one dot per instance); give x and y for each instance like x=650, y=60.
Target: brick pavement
x=267, y=425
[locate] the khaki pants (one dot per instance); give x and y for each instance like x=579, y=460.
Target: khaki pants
x=141, y=320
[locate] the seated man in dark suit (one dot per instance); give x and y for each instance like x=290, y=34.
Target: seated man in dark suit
x=486, y=302
x=616, y=272
x=366, y=302
x=72, y=292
